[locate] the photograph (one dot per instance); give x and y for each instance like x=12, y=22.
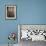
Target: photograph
x=10, y=12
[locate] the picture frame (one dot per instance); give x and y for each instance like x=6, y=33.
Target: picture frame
x=10, y=12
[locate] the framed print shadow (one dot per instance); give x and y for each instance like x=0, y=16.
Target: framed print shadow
x=10, y=11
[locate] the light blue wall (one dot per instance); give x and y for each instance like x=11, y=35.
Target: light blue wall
x=33, y=12
x=6, y=26
x=28, y=12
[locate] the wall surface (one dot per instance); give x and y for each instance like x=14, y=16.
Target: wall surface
x=7, y=26
x=28, y=12
x=32, y=11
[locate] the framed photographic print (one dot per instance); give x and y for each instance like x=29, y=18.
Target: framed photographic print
x=10, y=11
